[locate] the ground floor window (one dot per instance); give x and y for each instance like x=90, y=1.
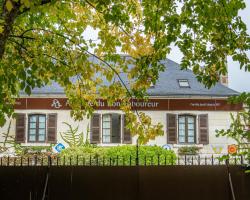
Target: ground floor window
x=187, y=129
x=37, y=128
x=109, y=128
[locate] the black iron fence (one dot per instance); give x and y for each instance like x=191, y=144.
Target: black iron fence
x=194, y=182
x=131, y=160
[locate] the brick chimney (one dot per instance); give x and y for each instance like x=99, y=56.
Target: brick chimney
x=224, y=78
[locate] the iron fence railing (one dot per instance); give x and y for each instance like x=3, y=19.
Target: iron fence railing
x=131, y=160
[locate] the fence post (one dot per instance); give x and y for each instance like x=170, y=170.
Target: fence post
x=97, y=160
x=49, y=161
x=137, y=153
x=45, y=189
x=230, y=179
x=241, y=160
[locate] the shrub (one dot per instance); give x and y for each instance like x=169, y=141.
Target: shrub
x=188, y=150
x=118, y=155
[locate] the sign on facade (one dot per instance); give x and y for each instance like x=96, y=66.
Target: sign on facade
x=59, y=147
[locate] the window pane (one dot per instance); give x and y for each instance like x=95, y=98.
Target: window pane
x=106, y=131
x=182, y=126
x=33, y=118
x=190, y=119
x=191, y=139
x=106, y=124
x=32, y=125
x=41, y=138
x=181, y=139
x=106, y=138
x=41, y=131
x=42, y=118
x=106, y=118
x=182, y=132
x=32, y=138
x=183, y=83
x=32, y=131
x=182, y=120
x=190, y=126
x=190, y=132
x=42, y=125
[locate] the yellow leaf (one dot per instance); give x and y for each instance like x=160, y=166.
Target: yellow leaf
x=9, y=5
x=26, y=3
x=1, y=29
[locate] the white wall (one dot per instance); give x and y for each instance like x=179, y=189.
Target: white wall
x=217, y=120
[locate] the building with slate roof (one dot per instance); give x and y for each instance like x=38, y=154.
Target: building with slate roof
x=190, y=114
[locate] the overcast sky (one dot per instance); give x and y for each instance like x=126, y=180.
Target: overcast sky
x=239, y=80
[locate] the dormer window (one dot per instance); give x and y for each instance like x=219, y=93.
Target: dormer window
x=183, y=83
x=152, y=85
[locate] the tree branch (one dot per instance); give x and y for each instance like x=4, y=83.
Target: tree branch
x=8, y=20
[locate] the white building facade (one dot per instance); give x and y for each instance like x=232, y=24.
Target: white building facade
x=189, y=112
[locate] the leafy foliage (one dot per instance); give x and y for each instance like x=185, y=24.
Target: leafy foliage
x=72, y=137
x=240, y=125
x=26, y=151
x=8, y=141
x=188, y=150
x=45, y=40
x=124, y=154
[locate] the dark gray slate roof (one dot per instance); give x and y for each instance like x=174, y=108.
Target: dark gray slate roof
x=167, y=85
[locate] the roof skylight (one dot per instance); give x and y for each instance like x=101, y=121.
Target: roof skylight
x=183, y=83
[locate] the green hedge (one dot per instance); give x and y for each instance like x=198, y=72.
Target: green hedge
x=119, y=155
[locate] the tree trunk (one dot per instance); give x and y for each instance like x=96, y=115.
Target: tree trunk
x=8, y=18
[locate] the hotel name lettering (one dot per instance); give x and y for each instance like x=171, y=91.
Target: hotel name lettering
x=150, y=104
x=103, y=104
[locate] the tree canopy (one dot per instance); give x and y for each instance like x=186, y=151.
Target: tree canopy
x=43, y=41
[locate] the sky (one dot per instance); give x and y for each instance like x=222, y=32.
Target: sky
x=239, y=80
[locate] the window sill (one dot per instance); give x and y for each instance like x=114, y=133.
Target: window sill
x=35, y=144
x=188, y=145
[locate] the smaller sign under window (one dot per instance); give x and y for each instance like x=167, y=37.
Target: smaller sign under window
x=183, y=83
